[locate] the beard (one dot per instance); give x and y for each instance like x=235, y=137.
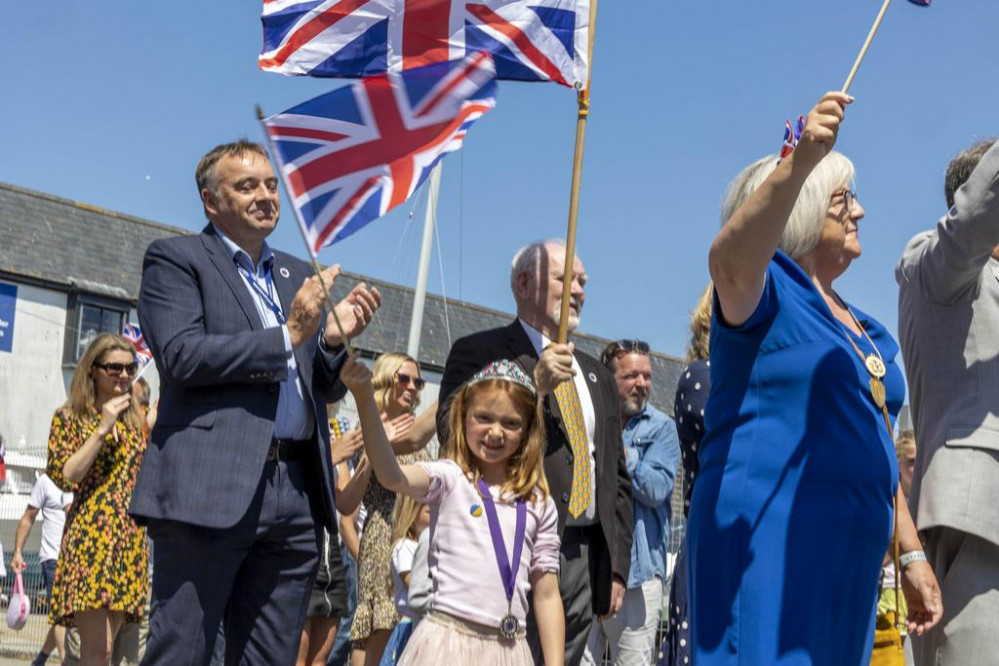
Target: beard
x=634, y=403
x=573, y=314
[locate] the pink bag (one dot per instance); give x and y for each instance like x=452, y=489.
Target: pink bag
x=19, y=606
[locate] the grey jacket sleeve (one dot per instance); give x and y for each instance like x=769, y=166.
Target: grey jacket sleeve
x=945, y=264
x=420, y=584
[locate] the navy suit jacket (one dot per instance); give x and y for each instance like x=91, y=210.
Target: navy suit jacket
x=220, y=372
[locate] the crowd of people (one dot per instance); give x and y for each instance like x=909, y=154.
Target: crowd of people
x=283, y=533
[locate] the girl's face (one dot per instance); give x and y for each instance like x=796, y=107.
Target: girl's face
x=422, y=519
x=494, y=428
x=406, y=390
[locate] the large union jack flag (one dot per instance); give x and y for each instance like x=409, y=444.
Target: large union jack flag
x=530, y=40
x=133, y=334
x=353, y=154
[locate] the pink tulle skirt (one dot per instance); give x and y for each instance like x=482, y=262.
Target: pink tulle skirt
x=443, y=639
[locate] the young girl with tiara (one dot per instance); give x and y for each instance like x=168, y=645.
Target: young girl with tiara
x=493, y=525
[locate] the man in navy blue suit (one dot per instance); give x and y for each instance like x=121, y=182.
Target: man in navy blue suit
x=237, y=480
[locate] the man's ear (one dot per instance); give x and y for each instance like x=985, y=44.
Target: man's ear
x=522, y=284
x=208, y=200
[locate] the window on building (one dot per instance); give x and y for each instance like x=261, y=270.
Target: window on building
x=87, y=317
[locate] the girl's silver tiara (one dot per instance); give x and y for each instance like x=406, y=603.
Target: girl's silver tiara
x=504, y=370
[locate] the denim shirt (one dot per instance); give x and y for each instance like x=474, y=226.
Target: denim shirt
x=652, y=453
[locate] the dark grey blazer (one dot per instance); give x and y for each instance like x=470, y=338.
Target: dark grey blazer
x=614, y=496
x=220, y=373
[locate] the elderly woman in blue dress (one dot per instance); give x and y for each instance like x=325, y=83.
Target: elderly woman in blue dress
x=793, y=509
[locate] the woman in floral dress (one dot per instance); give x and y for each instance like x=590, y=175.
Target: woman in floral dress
x=397, y=385
x=95, y=448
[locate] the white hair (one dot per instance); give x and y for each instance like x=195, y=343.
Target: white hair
x=528, y=260
x=804, y=226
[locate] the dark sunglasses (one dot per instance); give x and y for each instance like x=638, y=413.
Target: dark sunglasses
x=118, y=368
x=625, y=346
x=405, y=379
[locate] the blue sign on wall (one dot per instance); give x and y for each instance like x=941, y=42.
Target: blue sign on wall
x=8, y=304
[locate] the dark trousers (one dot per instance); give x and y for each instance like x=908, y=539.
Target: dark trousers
x=575, y=574
x=254, y=577
x=340, y=653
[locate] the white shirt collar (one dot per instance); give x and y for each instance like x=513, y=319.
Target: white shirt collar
x=538, y=339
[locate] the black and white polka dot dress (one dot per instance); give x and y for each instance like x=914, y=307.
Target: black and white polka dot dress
x=688, y=411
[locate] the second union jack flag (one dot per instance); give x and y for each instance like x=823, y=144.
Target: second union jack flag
x=133, y=334
x=351, y=155
x=530, y=40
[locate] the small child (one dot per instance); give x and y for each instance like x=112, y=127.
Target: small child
x=409, y=519
x=493, y=525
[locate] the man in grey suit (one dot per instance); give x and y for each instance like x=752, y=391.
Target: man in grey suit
x=949, y=327
x=236, y=483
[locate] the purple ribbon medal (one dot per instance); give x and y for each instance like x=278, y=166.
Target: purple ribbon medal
x=509, y=625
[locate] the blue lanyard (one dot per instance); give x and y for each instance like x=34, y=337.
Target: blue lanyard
x=268, y=295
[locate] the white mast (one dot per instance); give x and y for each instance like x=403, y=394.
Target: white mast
x=420, y=297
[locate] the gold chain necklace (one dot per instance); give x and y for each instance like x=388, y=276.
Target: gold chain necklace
x=875, y=363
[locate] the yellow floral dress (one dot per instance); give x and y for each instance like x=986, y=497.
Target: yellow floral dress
x=104, y=561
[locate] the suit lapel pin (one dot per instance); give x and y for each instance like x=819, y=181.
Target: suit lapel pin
x=284, y=272
x=593, y=377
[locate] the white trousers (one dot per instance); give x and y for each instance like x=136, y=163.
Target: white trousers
x=631, y=634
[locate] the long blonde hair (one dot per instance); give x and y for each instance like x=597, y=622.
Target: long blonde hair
x=700, y=326
x=383, y=377
x=525, y=472
x=82, y=397
x=404, y=516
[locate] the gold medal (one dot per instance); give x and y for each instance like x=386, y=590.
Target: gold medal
x=878, y=391
x=876, y=367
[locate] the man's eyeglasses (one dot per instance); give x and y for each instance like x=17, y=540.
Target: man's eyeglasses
x=849, y=196
x=624, y=346
x=405, y=379
x=116, y=369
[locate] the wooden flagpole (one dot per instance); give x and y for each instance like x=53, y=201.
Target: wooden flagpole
x=583, y=101
x=867, y=44
x=301, y=228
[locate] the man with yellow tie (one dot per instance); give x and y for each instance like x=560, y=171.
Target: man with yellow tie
x=585, y=460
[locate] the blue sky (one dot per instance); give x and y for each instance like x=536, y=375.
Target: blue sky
x=112, y=103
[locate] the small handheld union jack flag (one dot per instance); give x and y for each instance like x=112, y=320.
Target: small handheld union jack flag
x=921, y=3
x=791, y=136
x=133, y=334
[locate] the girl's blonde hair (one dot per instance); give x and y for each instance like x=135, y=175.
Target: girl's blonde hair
x=404, y=516
x=82, y=392
x=383, y=377
x=700, y=326
x=525, y=472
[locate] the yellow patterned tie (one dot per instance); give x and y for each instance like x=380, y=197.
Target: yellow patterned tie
x=572, y=417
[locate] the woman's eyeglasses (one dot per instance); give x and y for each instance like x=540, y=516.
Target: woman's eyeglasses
x=405, y=380
x=849, y=196
x=116, y=369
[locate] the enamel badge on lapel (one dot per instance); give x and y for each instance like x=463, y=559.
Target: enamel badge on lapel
x=284, y=272
x=593, y=377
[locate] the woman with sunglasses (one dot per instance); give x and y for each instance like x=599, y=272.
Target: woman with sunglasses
x=793, y=506
x=397, y=384
x=95, y=449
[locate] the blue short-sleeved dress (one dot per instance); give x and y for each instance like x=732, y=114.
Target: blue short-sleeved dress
x=792, y=511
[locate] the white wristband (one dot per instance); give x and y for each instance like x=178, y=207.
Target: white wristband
x=905, y=559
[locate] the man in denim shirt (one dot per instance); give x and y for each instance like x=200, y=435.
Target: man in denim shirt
x=653, y=453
